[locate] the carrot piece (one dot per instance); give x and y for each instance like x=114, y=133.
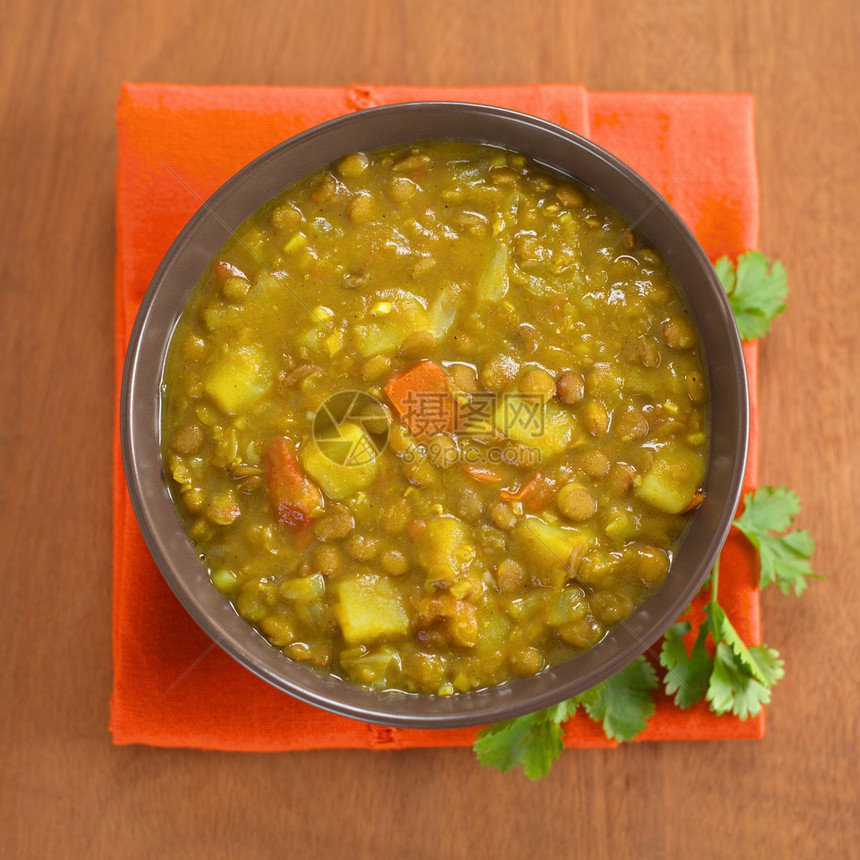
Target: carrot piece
x=535, y=494
x=293, y=497
x=522, y=492
x=422, y=398
x=698, y=498
x=484, y=474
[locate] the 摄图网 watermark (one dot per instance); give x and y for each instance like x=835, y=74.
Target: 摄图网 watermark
x=352, y=427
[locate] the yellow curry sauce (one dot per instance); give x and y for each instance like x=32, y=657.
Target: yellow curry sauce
x=434, y=418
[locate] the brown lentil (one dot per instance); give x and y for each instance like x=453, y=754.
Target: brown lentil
x=576, y=503
x=570, y=387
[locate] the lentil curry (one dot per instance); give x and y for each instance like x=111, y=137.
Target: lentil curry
x=434, y=419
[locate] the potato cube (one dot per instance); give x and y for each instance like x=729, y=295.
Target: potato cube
x=369, y=608
x=239, y=379
x=445, y=542
x=343, y=464
x=548, y=427
x=555, y=551
x=672, y=480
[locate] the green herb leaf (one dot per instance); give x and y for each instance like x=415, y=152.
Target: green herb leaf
x=784, y=558
x=770, y=664
x=563, y=711
x=757, y=291
x=532, y=742
x=733, y=689
x=723, y=631
x=687, y=675
x=623, y=702
x=725, y=270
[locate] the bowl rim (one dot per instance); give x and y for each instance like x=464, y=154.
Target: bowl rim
x=140, y=405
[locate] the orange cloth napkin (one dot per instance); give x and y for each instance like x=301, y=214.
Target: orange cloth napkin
x=177, y=144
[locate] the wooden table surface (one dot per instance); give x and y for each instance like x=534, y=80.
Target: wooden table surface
x=66, y=791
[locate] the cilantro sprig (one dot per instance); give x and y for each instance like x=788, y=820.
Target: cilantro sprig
x=623, y=704
x=734, y=678
x=719, y=667
x=757, y=290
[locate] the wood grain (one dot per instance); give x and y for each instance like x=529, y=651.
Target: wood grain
x=66, y=791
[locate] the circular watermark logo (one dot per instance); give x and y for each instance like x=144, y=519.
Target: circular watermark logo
x=351, y=428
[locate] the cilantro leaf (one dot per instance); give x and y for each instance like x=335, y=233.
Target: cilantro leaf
x=687, y=675
x=757, y=290
x=524, y=742
x=784, y=561
x=768, y=509
x=532, y=742
x=784, y=558
x=723, y=631
x=623, y=702
x=733, y=689
x=563, y=711
x=770, y=664
x=725, y=270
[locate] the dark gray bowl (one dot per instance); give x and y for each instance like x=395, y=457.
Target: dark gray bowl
x=261, y=180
